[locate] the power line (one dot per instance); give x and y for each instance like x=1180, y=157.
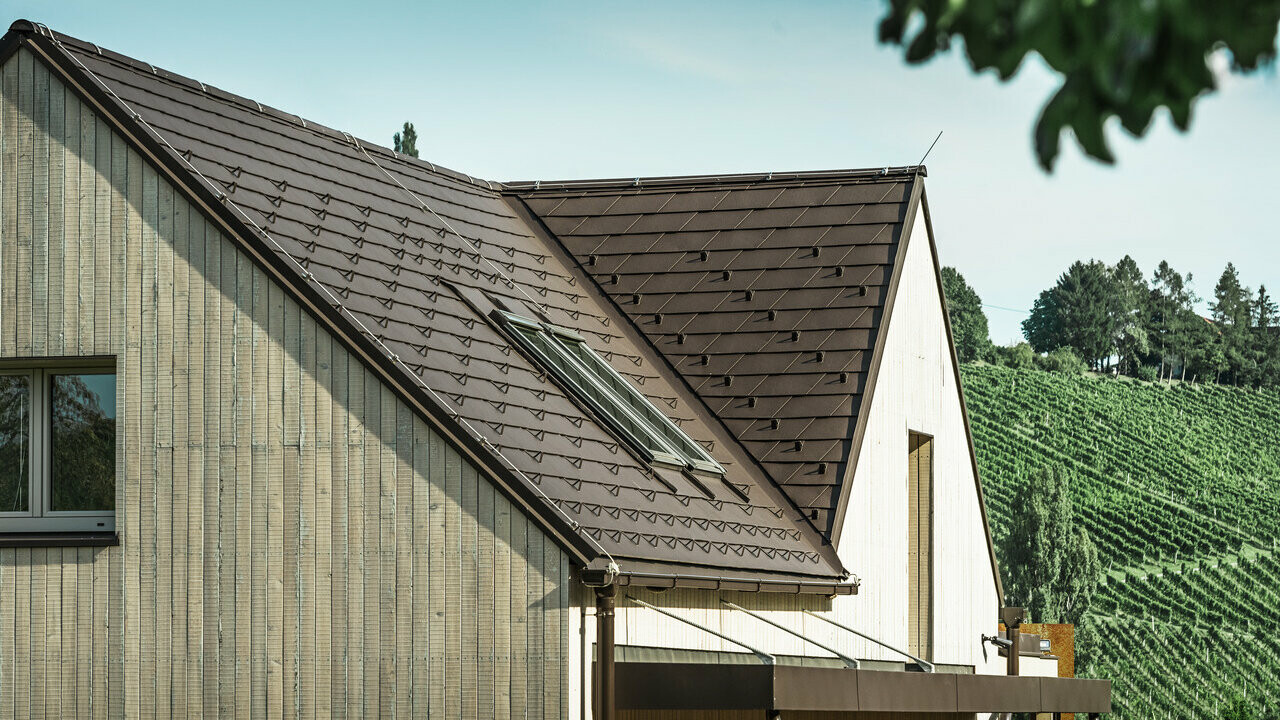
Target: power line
x=1008, y=309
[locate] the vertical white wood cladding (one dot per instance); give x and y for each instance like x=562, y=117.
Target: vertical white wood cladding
x=294, y=540
x=916, y=391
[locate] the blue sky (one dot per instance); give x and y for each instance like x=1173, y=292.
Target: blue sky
x=534, y=90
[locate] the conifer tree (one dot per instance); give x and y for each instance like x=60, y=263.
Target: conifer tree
x=968, y=321
x=406, y=142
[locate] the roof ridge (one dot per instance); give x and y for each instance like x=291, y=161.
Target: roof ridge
x=895, y=172
x=27, y=26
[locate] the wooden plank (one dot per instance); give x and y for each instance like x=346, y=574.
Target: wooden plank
x=132, y=381
x=470, y=585
x=502, y=617
x=340, y=668
x=403, y=631
x=357, y=547
x=52, y=603
x=520, y=631
x=454, y=641
x=437, y=501
x=153, y=460
x=386, y=629
x=325, y=430
x=421, y=620
x=552, y=630
x=247, y=374
x=52, y=334
x=485, y=599
x=169, y=484
x=372, y=547
x=90, y=177
x=36, y=629
x=71, y=630
x=8, y=607
x=109, y=645
x=535, y=590
x=24, y=210
x=260, y=477
x=305, y=615
x=238, y=489
x=40, y=213
x=9, y=205
x=190, y=317
x=282, y=524
x=87, y=671
x=217, y=466
x=69, y=324
x=22, y=638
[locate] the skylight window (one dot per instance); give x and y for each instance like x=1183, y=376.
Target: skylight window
x=628, y=412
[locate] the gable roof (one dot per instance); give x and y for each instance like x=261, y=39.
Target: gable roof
x=766, y=292
x=401, y=259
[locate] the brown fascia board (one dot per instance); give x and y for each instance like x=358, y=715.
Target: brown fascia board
x=146, y=141
x=662, y=576
x=873, y=373
x=685, y=181
x=660, y=361
x=796, y=688
x=964, y=407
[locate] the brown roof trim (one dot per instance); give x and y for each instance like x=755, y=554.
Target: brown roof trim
x=873, y=373
x=774, y=688
x=964, y=408
x=46, y=48
x=527, y=186
x=663, y=578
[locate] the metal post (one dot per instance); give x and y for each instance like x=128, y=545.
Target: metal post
x=1012, y=618
x=605, y=705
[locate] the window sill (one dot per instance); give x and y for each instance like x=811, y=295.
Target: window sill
x=59, y=539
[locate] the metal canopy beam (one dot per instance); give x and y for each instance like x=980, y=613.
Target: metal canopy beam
x=708, y=686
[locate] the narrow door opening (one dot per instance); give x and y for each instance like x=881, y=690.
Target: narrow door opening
x=920, y=545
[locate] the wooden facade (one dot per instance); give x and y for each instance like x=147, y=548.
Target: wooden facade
x=294, y=540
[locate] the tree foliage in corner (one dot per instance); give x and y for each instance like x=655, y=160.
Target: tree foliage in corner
x=1122, y=58
x=406, y=142
x=968, y=321
x=1051, y=564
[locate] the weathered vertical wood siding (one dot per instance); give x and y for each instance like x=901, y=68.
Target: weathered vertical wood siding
x=294, y=540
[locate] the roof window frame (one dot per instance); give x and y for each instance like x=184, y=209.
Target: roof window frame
x=665, y=453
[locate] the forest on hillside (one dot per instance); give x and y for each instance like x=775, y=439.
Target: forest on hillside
x=1112, y=318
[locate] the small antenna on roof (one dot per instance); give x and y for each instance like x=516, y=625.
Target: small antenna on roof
x=926, y=152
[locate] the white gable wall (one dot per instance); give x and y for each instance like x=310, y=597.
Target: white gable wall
x=916, y=391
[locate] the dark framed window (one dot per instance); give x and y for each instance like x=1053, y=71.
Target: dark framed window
x=57, y=448
x=625, y=410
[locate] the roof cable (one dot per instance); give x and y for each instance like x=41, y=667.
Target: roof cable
x=423, y=205
x=333, y=298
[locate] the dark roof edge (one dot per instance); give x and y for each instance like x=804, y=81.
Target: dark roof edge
x=735, y=584
x=32, y=28
x=896, y=172
x=149, y=144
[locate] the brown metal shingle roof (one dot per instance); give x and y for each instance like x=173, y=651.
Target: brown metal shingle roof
x=766, y=293
x=414, y=282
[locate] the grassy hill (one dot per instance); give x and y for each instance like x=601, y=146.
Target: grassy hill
x=1180, y=488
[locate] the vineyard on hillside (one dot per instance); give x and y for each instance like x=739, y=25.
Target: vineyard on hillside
x=1179, y=485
